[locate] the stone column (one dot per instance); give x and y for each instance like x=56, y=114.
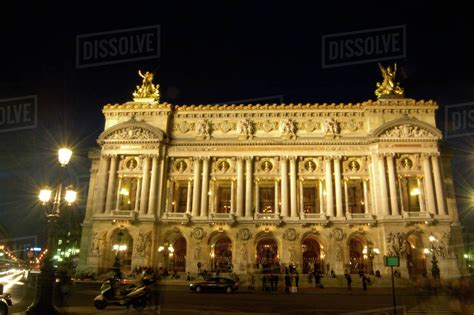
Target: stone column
x=383, y=186
x=91, y=192
x=321, y=196
x=213, y=196
x=189, y=197
x=102, y=184
x=429, y=191
x=284, y=187
x=329, y=194
x=346, y=196
x=257, y=198
x=232, y=196
x=301, y=197
x=293, y=196
x=137, y=194
x=117, y=201
x=153, y=184
x=393, y=185
x=366, y=196
x=373, y=186
x=145, y=185
x=400, y=192
x=421, y=196
x=196, y=187
x=240, y=187
x=440, y=199
x=111, y=185
x=277, y=196
x=205, y=187
x=338, y=186
x=161, y=184
x=248, y=187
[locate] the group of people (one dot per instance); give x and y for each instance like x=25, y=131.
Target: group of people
x=364, y=279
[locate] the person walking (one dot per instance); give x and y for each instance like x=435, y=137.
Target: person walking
x=287, y=282
x=349, y=281
x=317, y=278
x=264, y=283
x=365, y=282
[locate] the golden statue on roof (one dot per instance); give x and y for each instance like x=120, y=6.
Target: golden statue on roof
x=388, y=87
x=147, y=91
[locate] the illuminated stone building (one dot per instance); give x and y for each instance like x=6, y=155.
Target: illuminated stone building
x=243, y=186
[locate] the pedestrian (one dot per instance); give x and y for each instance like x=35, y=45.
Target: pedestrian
x=349, y=281
x=251, y=281
x=264, y=283
x=310, y=277
x=317, y=278
x=365, y=282
x=199, y=267
x=287, y=282
x=297, y=278
x=277, y=279
x=271, y=279
x=333, y=274
x=361, y=273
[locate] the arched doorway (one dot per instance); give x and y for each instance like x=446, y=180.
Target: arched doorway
x=356, y=255
x=179, y=255
x=267, y=254
x=311, y=255
x=416, y=261
x=121, y=247
x=221, y=255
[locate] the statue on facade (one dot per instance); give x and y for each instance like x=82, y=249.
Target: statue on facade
x=147, y=90
x=204, y=129
x=388, y=87
x=331, y=127
x=144, y=243
x=97, y=244
x=245, y=129
x=288, y=128
x=396, y=243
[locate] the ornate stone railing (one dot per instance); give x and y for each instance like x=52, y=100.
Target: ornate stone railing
x=222, y=217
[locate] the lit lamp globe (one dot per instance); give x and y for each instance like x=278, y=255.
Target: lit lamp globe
x=64, y=156
x=70, y=196
x=45, y=195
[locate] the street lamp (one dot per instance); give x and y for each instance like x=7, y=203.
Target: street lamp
x=435, y=272
x=43, y=302
x=168, y=250
x=369, y=252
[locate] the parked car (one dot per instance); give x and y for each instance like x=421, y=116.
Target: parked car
x=216, y=284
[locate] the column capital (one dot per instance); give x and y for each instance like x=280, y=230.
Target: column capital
x=248, y=158
x=292, y=158
x=327, y=158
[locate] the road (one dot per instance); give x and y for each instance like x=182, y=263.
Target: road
x=178, y=299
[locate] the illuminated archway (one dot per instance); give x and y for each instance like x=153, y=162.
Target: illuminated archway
x=312, y=258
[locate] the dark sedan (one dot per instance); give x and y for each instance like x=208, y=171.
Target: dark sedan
x=216, y=284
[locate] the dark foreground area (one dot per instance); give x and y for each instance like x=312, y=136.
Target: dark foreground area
x=178, y=299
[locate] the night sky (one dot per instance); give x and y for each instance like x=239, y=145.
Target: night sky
x=212, y=53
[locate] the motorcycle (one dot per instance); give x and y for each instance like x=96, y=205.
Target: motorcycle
x=135, y=295
x=5, y=301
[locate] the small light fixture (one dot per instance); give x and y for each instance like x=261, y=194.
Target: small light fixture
x=70, y=196
x=45, y=195
x=64, y=156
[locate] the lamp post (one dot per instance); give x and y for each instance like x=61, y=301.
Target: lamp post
x=435, y=272
x=43, y=302
x=168, y=250
x=369, y=252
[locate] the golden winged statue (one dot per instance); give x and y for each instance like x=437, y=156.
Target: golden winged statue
x=147, y=90
x=388, y=87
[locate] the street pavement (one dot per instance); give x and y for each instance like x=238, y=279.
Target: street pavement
x=176, y=298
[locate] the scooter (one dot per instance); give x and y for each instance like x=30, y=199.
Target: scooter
x=5, y=301
x=110, y=293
